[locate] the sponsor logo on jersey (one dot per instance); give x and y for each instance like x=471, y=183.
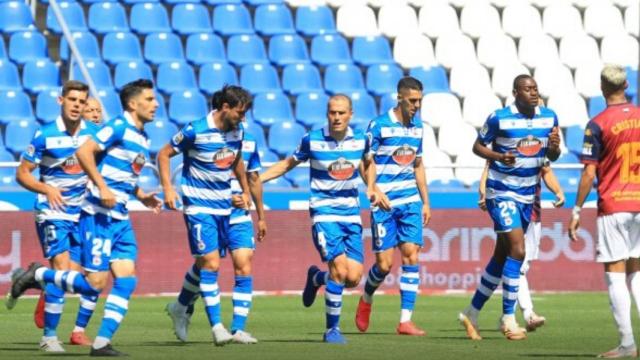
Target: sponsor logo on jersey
x=71, y=166
x=484, y=130
x=529, y=146
x=587, y=149
x=138, y=163
x=177, y=138
x=404, y=155
x=224, y=158
x=341, y=169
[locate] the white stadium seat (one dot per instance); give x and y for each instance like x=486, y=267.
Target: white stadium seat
x=456, y=139
x=380, y=3
x=413, y=50
x=602, y=18
x=503, y=75
x=440, y=108
x=536, y=49
x=632, y=20
x=620, y=49
x=437, y=158
x=496, y=48
x=552, y=78
x=469, y=78
x=570, y=108
x=395, y=19
x=469, y=175
x=339, y=3
x=561, y=18
x=298, y=3
x=477, y=107
x=429, y=143
x=438, y=18
x=479, y=18
x=587, y=79
x=454, y=49
x=356, y=20
x=578, y=48
x=520, y=18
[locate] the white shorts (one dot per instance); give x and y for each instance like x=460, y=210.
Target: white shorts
x=531, y=244
x=618, y=237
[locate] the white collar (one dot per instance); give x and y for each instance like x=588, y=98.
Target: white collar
x=326, y=132
x=62, y=128
x=127, y=116
x=514, y=109
x=210, y=122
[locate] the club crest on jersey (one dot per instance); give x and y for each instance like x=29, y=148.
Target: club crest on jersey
x=341, y=169
x=177, y=138
x=138, y=163
x=71, y=166
x=31, y=150
x=224, y=157
x=529, y=146
x=404, y=155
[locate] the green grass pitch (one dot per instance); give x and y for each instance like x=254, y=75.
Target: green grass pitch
x=579, y=325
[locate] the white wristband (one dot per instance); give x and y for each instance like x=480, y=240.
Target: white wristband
x=575, y=213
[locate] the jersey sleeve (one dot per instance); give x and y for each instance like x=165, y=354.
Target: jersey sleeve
x=183, y=138
x=254, y=161
x=36, y=148
x=592, y=144
x=111, y=134
x=489, y=130
x=374, y=137
x=419, y=151
x=303, y=152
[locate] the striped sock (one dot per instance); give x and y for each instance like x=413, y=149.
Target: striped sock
x=190, y=287
x=69, y=281
x=374, y=279
x=409, y=283
x=53, y=305
x=510, y=280
x=115, y=308
x=242, y=291
x=211, y=295
x=333, y=303
x=488, y=284
x=85, y=311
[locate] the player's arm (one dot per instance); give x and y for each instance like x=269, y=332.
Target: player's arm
x=148, y=199
x=480, y=149
x=171, y=197
x=553, y=149
x=280, y=168
x=552, y=183
x=86, y=155
x=244, y=201
x=375, y=196
x=255, y=186
x=584, y=188
x=24, y=177
x=421, y=182
x=482, y=187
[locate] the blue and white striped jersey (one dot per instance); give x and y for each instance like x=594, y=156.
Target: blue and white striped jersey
x=208, y=156
x=251, y=160
x=53, y=149
x=334, y=174
x=394, y=148
x=509, y=130
x=125, y=152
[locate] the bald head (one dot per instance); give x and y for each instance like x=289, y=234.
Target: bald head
x=340, y=98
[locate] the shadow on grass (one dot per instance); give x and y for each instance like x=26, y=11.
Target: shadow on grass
x=293, y=341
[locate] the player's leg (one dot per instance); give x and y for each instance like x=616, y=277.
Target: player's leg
x=633, y=263
x=324, y=239
x=242, y=296
x=338, y=268
x=87, y=302
x=532, y=244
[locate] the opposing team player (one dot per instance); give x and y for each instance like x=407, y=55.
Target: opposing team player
x=397, y=169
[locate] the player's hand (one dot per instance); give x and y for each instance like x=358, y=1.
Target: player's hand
x=426, y=214
x=559, y=200
x=151, y=201
x=508, y=158
x=554, y=138
x=171, y=198
x=107, y=199
x=241, y=201
x=379, y=199
x=54, y=197
x=482, y=200
x=262, y=230
x=574, y=224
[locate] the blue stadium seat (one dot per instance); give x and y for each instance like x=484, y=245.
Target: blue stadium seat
x=3, y=49
x=273, y=19
x=311, y=109
x=147, y=18
x=129, y=71
x=118, y=47
x=40, y=75
x=267, y=156
x=105, y=17
x=383, y=78
x=285, y=136
x=259, y=78
x=89, y=2
x=163, y=47
x=330, y=49
x=205, y=48
x=27, y=46
x=15, y=16
x=278, y=184
x=133, y=2
x=364, y=109
x=315, y=20
x=632, y=78
x=434, y=78
x=387, y=101
x=159, y=132
x=214, y=76
x=9, y=77
x=110, y=102
x=15, y=106
x=190, y=19
x=148, y=179
x=257, y=132
x=73, y=15
x=272, y=108
x=370, y=50
x=288, y=49
x=246, y=49
x=223, y=2
x=187, y=106
x=447, y=186
x=5, y=155
x=161, y=112
x=174, y=2
x=99, y=72
x=175, y=76
x=262, y=2
x=574, y=136
x=597, y=104
x=86, y=43
x=299, y=177
x=343, y=78
x=230, y=19
x=568, y=178
x=299, y=78
x=7, y=174
x=47, y=107
x=18, y=135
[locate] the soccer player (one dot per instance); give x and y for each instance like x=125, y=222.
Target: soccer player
x=93, y=111
x=113, y=162
x=397, y=169
x=522, y=136
x=336, y=154
x=212, y=148
x=61, y=190
x=610, y=154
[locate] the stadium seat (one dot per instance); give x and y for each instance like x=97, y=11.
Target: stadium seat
x=438, y=18
x=175, y=77
x=315, y=20
x=272, y=108
x=299, y=177
x=429, y=142
x=574, y=138
x=570, y=108
x=205, y=48
x=503, y=75
x=18, y=135
x=536, y=49
x=118, y=47
x=189, y=19
x=440, y=108
x=223, y=2
x=285, y=136
x=602, y=19
x=354, y=19
x=159, y=133
x=268, y=156
x=619, y=49
x=515, y=14
x=110, y=102
x=364, y=109
x=163, y=47
x=383, y=78
x=148, y=179
x=15, y=106
x=560, y=19
x=388, y=101
x=552, y=78
x=597, y=104
x=27, y=46
x=126, y=72
x=479, y=18
x=273, y=19
x=469, y=79
x=15, y=16
x=280, y=183
x=40, y=75
x=469, y=167
x=246, y=49
x=256, y=131
x=133, y=2
x=454, y=49
x=576, y=49
x=343, y=78
x=632, y=79
x=232, y=19
x=3, y=50
x=330, y=49
x=288, y=49
x=99, y=72
x=568, y=178
x=259, y=78
x=433, y=78
x=47, y=107
x=73, y=15
x=587, y=79
x=263, y=2
x=413, y=50
x=495, y=49
x=301, y=78
x=187, y=106
x=311, y=109
x=86, y=43
x=161, y=112
x=477, y=107
x=631, y=21
x=371, y=50
x=397, y=18
x=105, y=17
x=149, y=17
x=213, y=76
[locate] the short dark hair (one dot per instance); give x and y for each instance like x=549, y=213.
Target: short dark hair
x=133, y=89
x=409, y=83
x=76, y=85
x=231, y=95
x=519, y=78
